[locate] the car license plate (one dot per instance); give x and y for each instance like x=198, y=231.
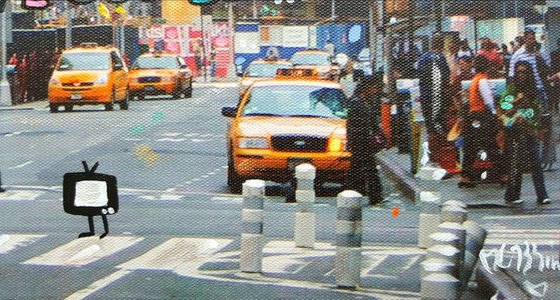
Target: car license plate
x=75, y=97
x=293, y=162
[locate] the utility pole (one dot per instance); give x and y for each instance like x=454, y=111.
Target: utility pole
x=438, y=12
x=5, y=95
x=232, y=70
x=69, y=14
x=373, y=34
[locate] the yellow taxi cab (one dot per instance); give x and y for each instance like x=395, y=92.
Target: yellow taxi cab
x=89, y=74
x=262, y=68
x=280, y=123
x=160, y=74
x=322, y=61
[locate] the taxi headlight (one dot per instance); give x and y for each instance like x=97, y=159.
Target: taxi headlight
x=54, y=81
x=101, y=80
x=253, y=143
x=134, y=80
x=167, y=79
x=337, y=144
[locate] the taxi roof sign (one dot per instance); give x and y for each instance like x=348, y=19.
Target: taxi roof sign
x=296, y=73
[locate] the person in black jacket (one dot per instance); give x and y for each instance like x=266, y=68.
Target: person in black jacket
x=362, y=130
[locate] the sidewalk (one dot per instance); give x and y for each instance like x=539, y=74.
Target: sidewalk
x=507, y=227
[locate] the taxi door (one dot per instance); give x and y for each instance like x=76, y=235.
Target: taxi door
x=120, y=76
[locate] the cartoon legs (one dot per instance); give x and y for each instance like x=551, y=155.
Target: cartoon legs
x=92, y=228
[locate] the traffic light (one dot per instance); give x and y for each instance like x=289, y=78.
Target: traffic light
x=201, y=2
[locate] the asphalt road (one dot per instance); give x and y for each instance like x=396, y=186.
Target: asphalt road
x=176, y=235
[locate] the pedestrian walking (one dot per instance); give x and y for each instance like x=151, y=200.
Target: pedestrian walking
x=530, y=52
x=520, y=112
x=480, y=125
x=365, y=137
x=21, y=74
x=435, y=101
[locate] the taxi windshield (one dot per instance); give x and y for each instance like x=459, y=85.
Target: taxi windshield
x=84, y=61
x=296, y=101
x=316, y=59
x=264, y=70
x=154, y=62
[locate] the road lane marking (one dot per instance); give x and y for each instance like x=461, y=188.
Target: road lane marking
x=98, y=285
x=21, y=195
x=9, y=242
x=521, y=217
x=84, y=251
x=411, y=262
x=177, y=253
x=21, y=165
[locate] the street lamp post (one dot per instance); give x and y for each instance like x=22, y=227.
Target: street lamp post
x=69, y=16
x=232, y=70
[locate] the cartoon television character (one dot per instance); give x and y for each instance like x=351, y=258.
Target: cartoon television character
x=90, y=194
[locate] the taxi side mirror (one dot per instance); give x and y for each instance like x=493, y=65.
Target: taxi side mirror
x=229, y=112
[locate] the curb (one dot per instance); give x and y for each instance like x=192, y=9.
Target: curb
x=7, y=108
x=405, y=183
x=499, y=283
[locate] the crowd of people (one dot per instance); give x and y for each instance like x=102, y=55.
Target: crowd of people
x=512, y=134
x=31, y=73
x=500, y=137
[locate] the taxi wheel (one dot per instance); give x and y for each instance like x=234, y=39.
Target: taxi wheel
x=53, y=108
x=68, y=107
x=234, y=181
x=177, y=91
x=188, y=91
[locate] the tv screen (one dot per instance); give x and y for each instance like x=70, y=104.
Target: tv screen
x=90, y=194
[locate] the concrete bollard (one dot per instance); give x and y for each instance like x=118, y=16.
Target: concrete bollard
x=444, y=238
x=440, y=286
x=460, y=231
x=452, y=213
x=252, y=234
x=304, y=233
x=446, y=252
x=475, y=237
x=429, y=217
x=348, y=240
x=455, y=203
x=436, y=265
x=1, y=189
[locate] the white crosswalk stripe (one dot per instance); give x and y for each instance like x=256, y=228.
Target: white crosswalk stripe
x=11, y=242
x=84, y=251
x=189, y=256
